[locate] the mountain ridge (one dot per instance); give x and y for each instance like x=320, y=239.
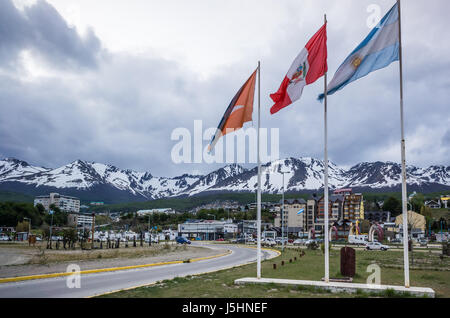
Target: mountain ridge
x=103, y=182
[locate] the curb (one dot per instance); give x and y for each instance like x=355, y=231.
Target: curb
x=198, y=274
x=102, y=270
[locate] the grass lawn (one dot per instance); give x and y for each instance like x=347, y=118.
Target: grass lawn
x=41, y=255
x=309, y=267
x=440, y=213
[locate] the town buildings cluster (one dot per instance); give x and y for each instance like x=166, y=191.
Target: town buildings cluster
x=293, y=217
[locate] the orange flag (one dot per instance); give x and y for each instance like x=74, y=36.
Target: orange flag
x=238, y=112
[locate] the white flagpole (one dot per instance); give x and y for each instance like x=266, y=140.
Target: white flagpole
x=258, y=216
x=404, y=193
x=325, y=201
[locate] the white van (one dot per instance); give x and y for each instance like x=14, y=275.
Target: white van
x=358, y=239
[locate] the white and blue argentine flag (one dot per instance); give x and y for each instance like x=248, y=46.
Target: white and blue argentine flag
x=378, y=50
x=301, y=211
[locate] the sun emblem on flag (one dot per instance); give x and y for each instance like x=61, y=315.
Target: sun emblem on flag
x=356, y=62
x=299, y=75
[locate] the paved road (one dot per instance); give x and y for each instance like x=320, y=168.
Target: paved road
x=99, y=283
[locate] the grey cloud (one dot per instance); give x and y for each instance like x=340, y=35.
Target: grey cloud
x=124, y=112
x=42, y=29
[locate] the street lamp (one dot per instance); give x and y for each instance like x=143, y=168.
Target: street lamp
x=29, y=227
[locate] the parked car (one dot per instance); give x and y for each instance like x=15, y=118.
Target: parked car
x=240, y=240
x=307, y=242
x=299, y=242
x=4, y=238
x=182, y=240
x=220, y=240
x=268, y=242
x=423, y=243
x=154, y=239
x=396, y=241
x=280, y=241
x=376, y=246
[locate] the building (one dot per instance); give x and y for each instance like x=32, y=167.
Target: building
x=230, y=228
x=247, y=227
x=294, y=221
x=80, y=220
x=63, y=202
x=152, y=211
x=445, y=201
x=378, y=216
x=353, y=207
x=432, y=204
x=311, y=212
x=335, y=203
x=7, y=229
x=202, y=229
x=347, y=191
x=97, y=203
x=416, y=221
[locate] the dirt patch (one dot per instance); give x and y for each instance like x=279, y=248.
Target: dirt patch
x=21, y=262
x=14, y=256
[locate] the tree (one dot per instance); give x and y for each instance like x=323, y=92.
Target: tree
x=59, y=217
x=364, y=226
x=40, y=208
x=417, y=202
x=69, y=236
x=393, y=205
x=12, y=212
x=426, y=211
x=22, y=226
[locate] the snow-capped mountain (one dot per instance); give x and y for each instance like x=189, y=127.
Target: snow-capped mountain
x=11, y=167
x=98, y=181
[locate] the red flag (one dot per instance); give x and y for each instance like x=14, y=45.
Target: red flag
x=309, y=66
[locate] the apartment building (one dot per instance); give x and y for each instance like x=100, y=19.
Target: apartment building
x=311, y=212
x=80, y=220
x=353, y=207
x=334, y=211
x=343, y=204
x=294, y=221
x=63, y=202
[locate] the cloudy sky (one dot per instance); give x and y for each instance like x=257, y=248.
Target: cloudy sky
x=108, y=80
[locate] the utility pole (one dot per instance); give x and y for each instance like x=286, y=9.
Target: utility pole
x=282, y=216
x=214, y=225
x=51, y=226
x=149, y=233
x=29, y=229
x=93, y=229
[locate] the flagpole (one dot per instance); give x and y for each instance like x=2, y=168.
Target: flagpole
x=258, y=216
x=404, y=194
x=325, y=201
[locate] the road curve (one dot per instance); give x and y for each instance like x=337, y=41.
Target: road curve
x=100, y=283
